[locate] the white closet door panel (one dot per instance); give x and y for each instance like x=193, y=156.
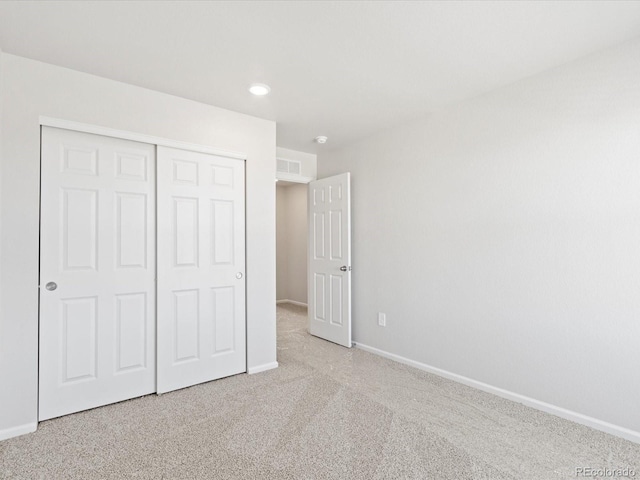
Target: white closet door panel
x=201, y=264
x=97, y=328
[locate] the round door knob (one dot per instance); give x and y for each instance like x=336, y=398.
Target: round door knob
x=51, y=286
x=239, y=275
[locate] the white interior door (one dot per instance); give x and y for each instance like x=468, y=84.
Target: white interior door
x=201, y=262
x=97, y=267
x=329, y=282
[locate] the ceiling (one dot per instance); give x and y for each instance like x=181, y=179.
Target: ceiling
x=337, y=68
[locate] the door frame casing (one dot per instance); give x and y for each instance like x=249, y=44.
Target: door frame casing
x=137, y=137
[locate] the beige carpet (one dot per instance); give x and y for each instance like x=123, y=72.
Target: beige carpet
x=327, y=413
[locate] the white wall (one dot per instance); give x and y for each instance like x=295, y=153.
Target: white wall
x=308, y=161
x=282, y=262
x=1, y=222
x=31, y=89
x=502, y=237
x=297, y=233
x=291, y=241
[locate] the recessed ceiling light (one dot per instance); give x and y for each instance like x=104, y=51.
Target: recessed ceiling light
x=259, y=89
x=321, y=139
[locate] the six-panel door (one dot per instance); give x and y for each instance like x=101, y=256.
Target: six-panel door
x=97, y=268
x=329, y=273
x=201, y=266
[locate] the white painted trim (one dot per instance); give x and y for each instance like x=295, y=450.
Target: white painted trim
x=576, y=417
x=262, y=368
x=290, y=177
x=137, y=137
x=17, y=431
x=292, y=302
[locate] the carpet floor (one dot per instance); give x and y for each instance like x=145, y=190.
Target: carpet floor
x=326, y=413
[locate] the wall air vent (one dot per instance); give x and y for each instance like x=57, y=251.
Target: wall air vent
x=290, y=170
x=288, y=166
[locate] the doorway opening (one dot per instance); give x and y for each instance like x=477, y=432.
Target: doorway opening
x=291, y=243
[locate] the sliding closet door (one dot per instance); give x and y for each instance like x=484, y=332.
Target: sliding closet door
x=97, y=268
x=201, y=266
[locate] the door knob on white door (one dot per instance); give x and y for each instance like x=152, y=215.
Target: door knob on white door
x=51, y=286
x=344, y=268
x=239, y=275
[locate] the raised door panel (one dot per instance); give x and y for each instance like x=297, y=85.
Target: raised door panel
x=318, y=235
x=335, y=300
x=131, y=331
x=186, y=322
x=132, y=166
x=222, y=176
x=224, y=319
x=222, y=232
x=335, y=235
x=79, y=225
x=131, y=230
x=79, y=343
x=185, y=229
x=185, y=172
x=78, y=159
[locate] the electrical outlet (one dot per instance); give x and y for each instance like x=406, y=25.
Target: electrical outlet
x=382, y=319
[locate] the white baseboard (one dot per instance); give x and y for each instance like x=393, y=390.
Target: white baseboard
x=601, y=425
x=292, y=302
x=17, y=431
x=262, y=368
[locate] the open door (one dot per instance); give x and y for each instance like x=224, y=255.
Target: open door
x=329, y=281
